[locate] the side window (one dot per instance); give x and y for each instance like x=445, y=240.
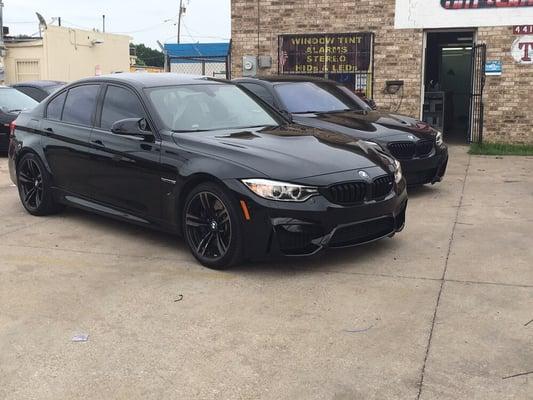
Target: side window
x=120, y=103
x=53, y=111
x=80, y=104
x=260, y=92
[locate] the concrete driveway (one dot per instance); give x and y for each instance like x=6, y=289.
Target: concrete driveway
x=439, y=312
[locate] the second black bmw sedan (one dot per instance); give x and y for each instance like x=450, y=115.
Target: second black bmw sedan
x=38, y=90
x=325, y=104
x=204, y=159
x=12, y=102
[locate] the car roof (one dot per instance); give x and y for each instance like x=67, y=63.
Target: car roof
x=146, y=79
x=285, y=78
x=41, y=83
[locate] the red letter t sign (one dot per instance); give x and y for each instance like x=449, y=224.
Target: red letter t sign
x=526, y=46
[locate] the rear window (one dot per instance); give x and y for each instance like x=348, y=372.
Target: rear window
x=11, y=100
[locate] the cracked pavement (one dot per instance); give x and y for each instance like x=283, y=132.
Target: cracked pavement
x=441, y=311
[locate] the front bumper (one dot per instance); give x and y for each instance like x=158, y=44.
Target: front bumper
x=304, y=229
x=421, y=171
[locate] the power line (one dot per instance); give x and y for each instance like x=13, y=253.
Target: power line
x=199, y=35
x=195, y=37
x=148, y=28
x=76, y=25
x=22, y=22
x=195, y=48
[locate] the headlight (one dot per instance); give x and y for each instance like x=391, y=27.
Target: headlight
x=397, y=171
x=280, y=191
x=439, y=140
x=370, y=144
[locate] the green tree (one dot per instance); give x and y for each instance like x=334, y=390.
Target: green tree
x=149, y=56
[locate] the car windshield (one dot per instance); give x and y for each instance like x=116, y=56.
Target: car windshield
x=206, y=107
x=308, y=97
x=11, y=100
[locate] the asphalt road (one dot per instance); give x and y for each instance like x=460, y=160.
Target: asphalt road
x=441, y=311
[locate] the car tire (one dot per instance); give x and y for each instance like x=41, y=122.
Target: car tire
x=212, y=226
x=34, y=187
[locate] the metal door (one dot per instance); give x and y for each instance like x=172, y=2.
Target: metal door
x=479, y=59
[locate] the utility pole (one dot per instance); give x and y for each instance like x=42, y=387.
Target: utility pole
x=2, y=47
x=103, y=23
x=181, y=11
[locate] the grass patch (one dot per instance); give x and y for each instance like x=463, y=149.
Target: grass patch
x=501, y=149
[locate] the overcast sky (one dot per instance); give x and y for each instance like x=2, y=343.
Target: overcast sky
x=144, y=20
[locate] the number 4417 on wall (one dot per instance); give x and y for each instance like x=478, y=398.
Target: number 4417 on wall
x=523, y=30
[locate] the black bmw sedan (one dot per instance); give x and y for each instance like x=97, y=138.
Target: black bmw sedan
x=12, y=102
x=325, y=104
x=203, y=158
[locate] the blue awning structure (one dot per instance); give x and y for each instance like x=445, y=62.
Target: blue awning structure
x=184, y=52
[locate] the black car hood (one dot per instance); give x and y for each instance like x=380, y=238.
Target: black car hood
x=371, y=125
x=287, y=152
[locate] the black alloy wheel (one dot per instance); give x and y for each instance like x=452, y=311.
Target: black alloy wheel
x=34, y=186
x=211, y=228
x=31, y=184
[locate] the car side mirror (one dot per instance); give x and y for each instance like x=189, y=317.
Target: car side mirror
x=137, y=127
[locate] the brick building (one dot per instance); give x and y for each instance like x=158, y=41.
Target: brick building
x=429, y=48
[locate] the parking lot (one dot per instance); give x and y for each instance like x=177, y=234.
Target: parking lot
x=441, y=311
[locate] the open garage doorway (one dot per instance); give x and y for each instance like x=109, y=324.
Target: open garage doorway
x=448, y=77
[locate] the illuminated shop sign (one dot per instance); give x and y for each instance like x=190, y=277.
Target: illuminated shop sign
x=462, y=4
x=325, y=53
x=344, y=57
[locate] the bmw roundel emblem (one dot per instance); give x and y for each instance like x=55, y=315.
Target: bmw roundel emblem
x=364, y=175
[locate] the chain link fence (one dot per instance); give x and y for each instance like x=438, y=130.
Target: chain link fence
x=216, y=67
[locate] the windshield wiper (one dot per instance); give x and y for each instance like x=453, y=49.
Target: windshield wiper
x=340, y=111
x=189, y=130
x=361, y=111
x=255, y=126
x=222, y=129
x=324, y=111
